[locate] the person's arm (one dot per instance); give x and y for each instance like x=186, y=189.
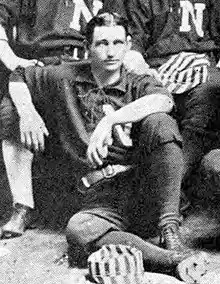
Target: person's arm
x=138, y=12
x=137, y=110
x=135, y=62
x=9, y=16
x=133, y=112
x=8, y=57
x=32, y=126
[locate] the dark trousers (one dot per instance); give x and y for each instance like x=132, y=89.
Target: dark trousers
x=200, y=128
x=137, y=200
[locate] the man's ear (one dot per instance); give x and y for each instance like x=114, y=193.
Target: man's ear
x=86, y=45
x=129, y=42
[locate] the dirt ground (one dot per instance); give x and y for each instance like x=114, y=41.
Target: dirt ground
x=32, y=259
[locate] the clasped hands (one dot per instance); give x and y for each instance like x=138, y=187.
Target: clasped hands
x=134, y=62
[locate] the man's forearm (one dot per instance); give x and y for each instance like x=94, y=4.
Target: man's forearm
x=139, y=109
x=21, y=97
x=7, y=56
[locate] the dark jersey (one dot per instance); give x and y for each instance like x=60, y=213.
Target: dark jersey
x=38, y=25
x=164, y=27
x=76, y=104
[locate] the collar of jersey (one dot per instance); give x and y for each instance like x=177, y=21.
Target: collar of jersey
x=87, y=77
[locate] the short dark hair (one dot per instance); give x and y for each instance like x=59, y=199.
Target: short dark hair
x=107, y=19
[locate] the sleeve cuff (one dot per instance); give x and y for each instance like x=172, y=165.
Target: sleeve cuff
x=18, y=75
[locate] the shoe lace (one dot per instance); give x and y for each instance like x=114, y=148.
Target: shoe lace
x=171, y=238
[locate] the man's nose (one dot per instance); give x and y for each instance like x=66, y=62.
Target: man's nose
x=111, y=51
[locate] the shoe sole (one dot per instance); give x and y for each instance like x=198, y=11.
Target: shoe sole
x=194, y=267
x=10, y=235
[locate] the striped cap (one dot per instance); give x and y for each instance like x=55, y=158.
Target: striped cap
x=116, y=264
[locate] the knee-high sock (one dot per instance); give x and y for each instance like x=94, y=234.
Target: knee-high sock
x=164, y=175
x=18, y=164
x=160, y=181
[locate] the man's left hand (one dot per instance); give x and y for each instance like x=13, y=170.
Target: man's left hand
x=134, y=62
x=32, y=130
x=100, y=140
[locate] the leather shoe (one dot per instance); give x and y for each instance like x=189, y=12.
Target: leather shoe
x=191, y=265
x=171, y=238
x=18, y=222
x=193, y=268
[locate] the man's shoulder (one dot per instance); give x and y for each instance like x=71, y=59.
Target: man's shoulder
x=69, y=71
x=145, y=84
x=140, y=80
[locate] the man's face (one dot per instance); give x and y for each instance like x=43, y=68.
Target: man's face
x=108, y=48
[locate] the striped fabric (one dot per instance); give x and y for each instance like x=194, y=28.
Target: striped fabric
x=184, y=71
x=116, y=264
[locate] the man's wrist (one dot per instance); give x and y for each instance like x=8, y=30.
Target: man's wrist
x=25, y=111
x=110, y=119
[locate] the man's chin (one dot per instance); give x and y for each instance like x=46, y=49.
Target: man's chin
x=113, y=68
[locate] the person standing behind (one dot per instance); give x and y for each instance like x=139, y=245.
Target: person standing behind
x=35, y=32
x=181, y=40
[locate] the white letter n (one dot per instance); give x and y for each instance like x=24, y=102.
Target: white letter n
x=196, y=16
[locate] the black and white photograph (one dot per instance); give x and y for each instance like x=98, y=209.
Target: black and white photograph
x=110, y=141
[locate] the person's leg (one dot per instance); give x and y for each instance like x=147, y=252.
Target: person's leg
x=18, y=162
x=88, y=231
x=160, y=172
x=160, y=167
x=200, y=129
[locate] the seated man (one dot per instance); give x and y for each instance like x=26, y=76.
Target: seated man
x=124, y=145
x=55, y=41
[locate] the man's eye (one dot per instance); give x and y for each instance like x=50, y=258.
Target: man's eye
x=101, y=43
x=118, y=42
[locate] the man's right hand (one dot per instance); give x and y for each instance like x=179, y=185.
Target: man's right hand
x=32, y=130
x=12, y=64
x=134, y=62
x=9, y=58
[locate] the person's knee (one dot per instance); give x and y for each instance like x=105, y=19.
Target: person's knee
x=77, y=229
x=159, y=128
x=82, y=233
x=77, y=234
x=211, y=161
x=9, y=120
x=85, y=228
x=209, y=177
x=202, y=107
